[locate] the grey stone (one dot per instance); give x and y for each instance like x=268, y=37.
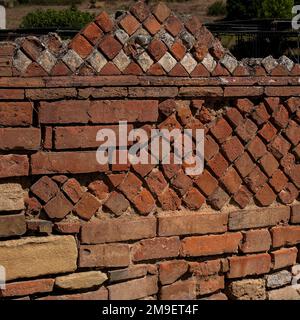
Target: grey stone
x=121, y=61
x=209, y=63
x=145, y=61
x=269, y=63
x=286, y=62
x=248, y=289
x=97, y=60
x=189, y=63
x=11, y=197
x=46, y=60
x=21, y=61
x=167, y=62
x=166, y=38
x=187, y=39
x=278, y=279
x=229, y=62
x=122, y=36
x=72, y=60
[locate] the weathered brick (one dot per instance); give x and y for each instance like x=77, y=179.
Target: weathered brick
x=51, y=94
x=180, y=290
x=68, y=227
x=258, y=218
x=218, y=199
x=115, y=230
x=184, y=224
x=211, y=245
x=87, y=206
x=134, y=289
x=207, y=183
x=99, y=294
x=12, y=94
x=169, y=200
x=248, y=289
x=256, y=241
x=206, y=268
x=117, y=203
x=286, y=293
x=285, y=236
x=65, y=162
x=244, y=165
x=295, y=214
x=231, y=180
x=208, y=285
x=284, y=257
x=104, y=255
x=156, y=248
x=58, y=207
x=249, y=265
x=45, y=189
x=132, y=272
x=221, y=130
x=232, y=148
x=13, y=165
x=16, y=113
x=171, y=271
x=12, y=225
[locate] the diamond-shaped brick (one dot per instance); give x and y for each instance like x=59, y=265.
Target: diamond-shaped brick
x=21, y=61
x=166, y=38
x=231, y=180
x=267, y=132
x=278, y=180
x=269, y=164
x=97, y=60
x=93, y=33
x=218, y=165
x=81, y=46
x=72, y=60
x=145, y=61
x=244, y=165
x=189, y=63
x=157, y=49
x=209, y=63
x=269, y=63
x=187, y=39
x=167, y=62
x=129, y=24
x=46, y=60
x=257, y=148
x=246, y=130
x=173, y=25
x=152, y=25
x=242, y=197
x=221, y=130
x=178, y=50
x=87, y=206
x=117, y=203
x=206, y=183
x=110, y=46
x=122, y=36
x=218, y=199
x=45, y=189
x=229, y=62
x=104, y=21
x=233, y=148
x=140, y=10
x=121, y=61
x=256, y=179
x=161, y=11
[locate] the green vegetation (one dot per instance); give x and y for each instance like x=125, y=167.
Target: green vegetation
x=218, y=8
x=50, y=2
x=71, y=18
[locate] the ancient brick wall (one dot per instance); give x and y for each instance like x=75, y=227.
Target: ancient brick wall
x=71, y=228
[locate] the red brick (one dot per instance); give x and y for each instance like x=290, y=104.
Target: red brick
x=234, y=116
x=130, y=186
x=87, y=206
x=180, y=290
x=207, y=183
x=257, y=148
x=193, y=24
x=68, y=227
x=231, y=180
x=194, y=199
x=265, y=195
x=178, y=71
x=289, y=194
x=33, y=206
x=282, y=91
x=247, y=130
x=65, y=162
x=81, y=46
x=93, y=33
x=173, y=25
x=140, y=10
x=104, y=21
x=241, y=71
x=285, y=236
x=260, y=114
x=117, y=230
x=45, y=189
x=133, y=69
x=242, y=197
x=73, y=190
x=218, y=165
x=243, y=91
x=269, y=164
x=279, y=147
x=211, y=148
x=206, y=268
x=210, y=284
x=171, y=271
x=244, y=165
x=156, y=70
x=211, y=245
x=267, y=132
x=200, y=71
x=256, y=241
x=11, y=94
x=13, y=166
x=293, y=104
x=284, y=258
x=244, y=105
x=58, y=207
x=144, y=202
x=152, y=25
x=109, y=69
x=110, y=46
x=35, y=70
x=188, y=224
x=143, y=169
x=129, y=24
x=169, y=200
x=60, y=69
x=249, y=265
x=24, y=288
x=288, y=164
x=278, y=180
x=161, y=12
x=272, y=103
x=99, y=189
x=134, y=289
x=20, y=138
x=295, y=211
x=281, y=116
x=157, y=49
x=156, y=182
x=182, y=183
x=221, y=130
x=293, y=132
x=218, y=199
x=117, y=203
x=157, y=248
x=233, y=148
x=16, y=113
x=220, y=71
x=178, y=50
x=104, y=255
x=256, y=179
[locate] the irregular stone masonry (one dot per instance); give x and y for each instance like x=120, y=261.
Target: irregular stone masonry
x=148, y=231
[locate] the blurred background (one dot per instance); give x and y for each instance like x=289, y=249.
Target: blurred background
x=249, y=28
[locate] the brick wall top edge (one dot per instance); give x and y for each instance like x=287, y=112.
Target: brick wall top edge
x=143, y=41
